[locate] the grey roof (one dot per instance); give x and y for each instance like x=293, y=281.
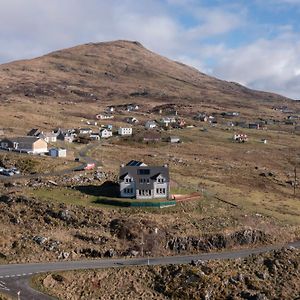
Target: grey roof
x=34, y=132
x=144, y=172
x=25, y=139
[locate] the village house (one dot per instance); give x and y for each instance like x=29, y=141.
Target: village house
x=68, y=136
x=240, y=138
x=85, y=130
x=150, y=124
x=110, y=109
x=253, y=125
x=104, y=116
x=167, y=121
x=105, y=133
x=125, y=131
x=174, y=139
x=137, y=180
x=201, y=117
x=58, y=152
x=132, y=107
x=131, y=120
x=26, y=144
x=48, y=137
x=230, y=114
x=93, y=123
x=95, y=136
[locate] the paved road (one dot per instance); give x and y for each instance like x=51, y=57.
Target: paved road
x=14, y=277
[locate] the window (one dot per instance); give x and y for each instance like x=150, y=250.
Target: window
x=127, y=180
x=143, y=171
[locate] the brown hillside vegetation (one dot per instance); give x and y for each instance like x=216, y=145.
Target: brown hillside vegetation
x=120, y=69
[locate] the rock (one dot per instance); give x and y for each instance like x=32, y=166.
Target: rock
x=109, y=253
x=134, y=253
x=40, y=239
x=63, y=255
x=88, y=252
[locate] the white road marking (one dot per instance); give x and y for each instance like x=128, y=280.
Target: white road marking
x=3, y=286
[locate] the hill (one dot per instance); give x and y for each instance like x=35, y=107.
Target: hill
x=119, y=69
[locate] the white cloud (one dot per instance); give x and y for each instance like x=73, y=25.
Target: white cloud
x=265, y=64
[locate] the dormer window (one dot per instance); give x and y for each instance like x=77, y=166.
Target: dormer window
x=128, y=179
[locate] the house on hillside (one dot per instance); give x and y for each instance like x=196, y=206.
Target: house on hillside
x=240, y=138
x=167, y=121
x=95, y=136
x=104, y=116
x=26, y=144
x=150, y=124
x=66, y=136
x=125, y=131
x=58, y=152
x=201, y=117
x=48, y=137
x=131, y=120
x=254, y=126
x=174, y=139
x=85, y=131
x=110, y=109
x=137, y=180
x=105, y=133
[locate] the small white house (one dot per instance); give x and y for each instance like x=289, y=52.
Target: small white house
x=125, y=131
x=104, y=116
x=150, y=124
x=174, y=139
x=58, y=152
x=105, y=133
x=95, y=136
x=48, y=137
x=110, y=109
x=85, y=130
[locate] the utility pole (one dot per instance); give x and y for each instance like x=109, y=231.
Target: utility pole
x=295, y=180
x=142, y=244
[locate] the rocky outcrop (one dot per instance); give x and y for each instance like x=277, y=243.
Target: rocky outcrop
x=218, y=241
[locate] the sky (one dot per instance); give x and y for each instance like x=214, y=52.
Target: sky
x=253, y=42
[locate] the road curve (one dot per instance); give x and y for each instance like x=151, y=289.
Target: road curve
x=15, y=276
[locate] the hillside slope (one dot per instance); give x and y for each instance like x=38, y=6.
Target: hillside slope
x=119, y=70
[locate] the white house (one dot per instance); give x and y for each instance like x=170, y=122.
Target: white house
x=105, y=133
x=95, y=136
x=48, y=137
x=58, y=152
x=85, y=130
x=27, y=144
x=150, y=124
x=104, y=116
x=125, y=131
x=166, y=121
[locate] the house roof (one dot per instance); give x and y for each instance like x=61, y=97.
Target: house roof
x=25, y=142
x=34, y=132
x=24, y=139
x=144, y=172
